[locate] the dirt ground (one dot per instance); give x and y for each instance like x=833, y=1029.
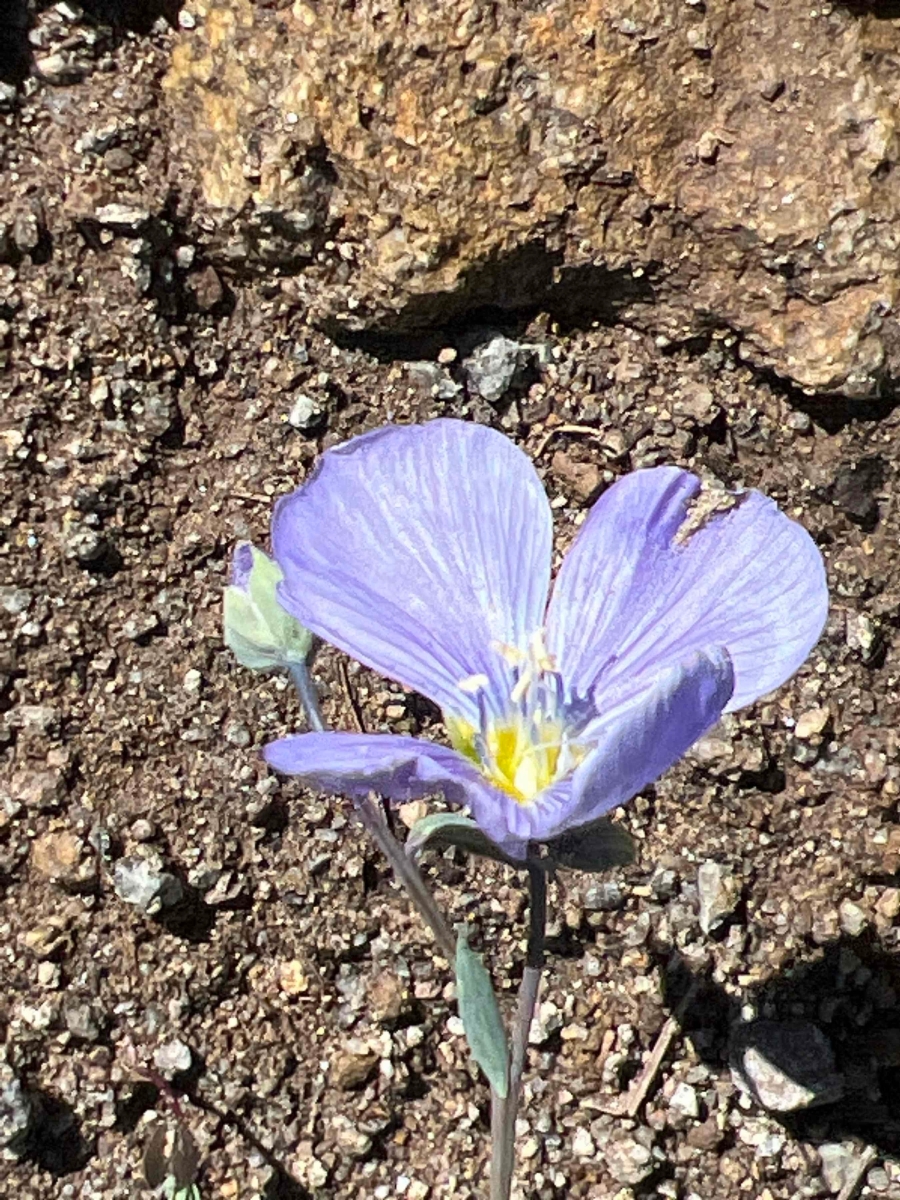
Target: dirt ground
x=295, y=1001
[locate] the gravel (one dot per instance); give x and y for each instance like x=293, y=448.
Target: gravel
x=145, y=428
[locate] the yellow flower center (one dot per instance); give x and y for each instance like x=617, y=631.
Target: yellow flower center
x=527, y=748
x=520, y=759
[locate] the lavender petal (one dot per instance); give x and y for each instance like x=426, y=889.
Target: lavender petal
x=400, y=768
x=638, y=592
x=638, y=740
x=418, y=550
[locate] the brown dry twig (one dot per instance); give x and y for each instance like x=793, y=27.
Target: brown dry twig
x=628, y=1104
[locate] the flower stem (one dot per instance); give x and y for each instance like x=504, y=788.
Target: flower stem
x=309, y=697
x=373, y=818
x=503, y=1112
x=408, y=875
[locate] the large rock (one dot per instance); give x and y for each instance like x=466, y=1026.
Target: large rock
x=683, y=166
x=785, y=1065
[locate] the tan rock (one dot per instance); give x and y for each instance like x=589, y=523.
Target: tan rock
x=387, y=997
x=353, y=1065
x=62, y=857
x=582, y=479
x=422, y=160
x=49, y=940
x=37, y=790
x=292, y=978
x=811, y=723
x=412, y=812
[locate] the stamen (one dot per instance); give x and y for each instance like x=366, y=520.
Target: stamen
x=511, y=655
x=473, y=683
x=522, y=684
x=541, y=657
x=526, y=740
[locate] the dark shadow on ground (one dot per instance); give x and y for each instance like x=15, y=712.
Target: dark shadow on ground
x=15, y=52
x=886, y=10
x=192, y=919
x=506, y=293
x=55, y=1143
x=119, y=16
x=849, y=990
x=131, y=16
x=834, y=413
x=142, y=1097
x=502, y=295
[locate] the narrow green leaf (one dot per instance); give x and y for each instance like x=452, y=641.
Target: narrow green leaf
x=595, y=847
x=439, y=830
x=481, y=1017
x=172, y=1191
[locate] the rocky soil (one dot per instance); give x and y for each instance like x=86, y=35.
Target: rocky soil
x=210, y=270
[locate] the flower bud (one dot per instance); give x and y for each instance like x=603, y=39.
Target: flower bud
x=260, y=633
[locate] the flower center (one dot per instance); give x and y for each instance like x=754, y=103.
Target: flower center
x=523, y=742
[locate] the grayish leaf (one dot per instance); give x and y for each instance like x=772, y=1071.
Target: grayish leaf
x=481, y=1017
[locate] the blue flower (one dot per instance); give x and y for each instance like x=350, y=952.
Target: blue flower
x=425, y=552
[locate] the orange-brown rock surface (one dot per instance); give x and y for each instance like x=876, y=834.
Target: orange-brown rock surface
x=686, y=166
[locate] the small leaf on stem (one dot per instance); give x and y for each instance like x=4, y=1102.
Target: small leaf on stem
x=481, y=1017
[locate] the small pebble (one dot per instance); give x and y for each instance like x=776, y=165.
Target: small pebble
x=143, y=830
x=684, y=1103
x=495, y=366
x=786, y=1066
x=292, y=978
x=122, y=217
x=604, y=897
x=811, y=723
x=172, y=1058
x=306, y=413
x=583, y=1145
x=143, y=883
x=80, y=1020
x=19, y=1113
x=718, y=893
x=64, y=858
x=629, y=1157
x=853, y=919
x=353, y=1065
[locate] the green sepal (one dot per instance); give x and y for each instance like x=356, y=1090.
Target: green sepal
x=480, y=1015
x=595, y=847
x=260, y=633
x=439, y=830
